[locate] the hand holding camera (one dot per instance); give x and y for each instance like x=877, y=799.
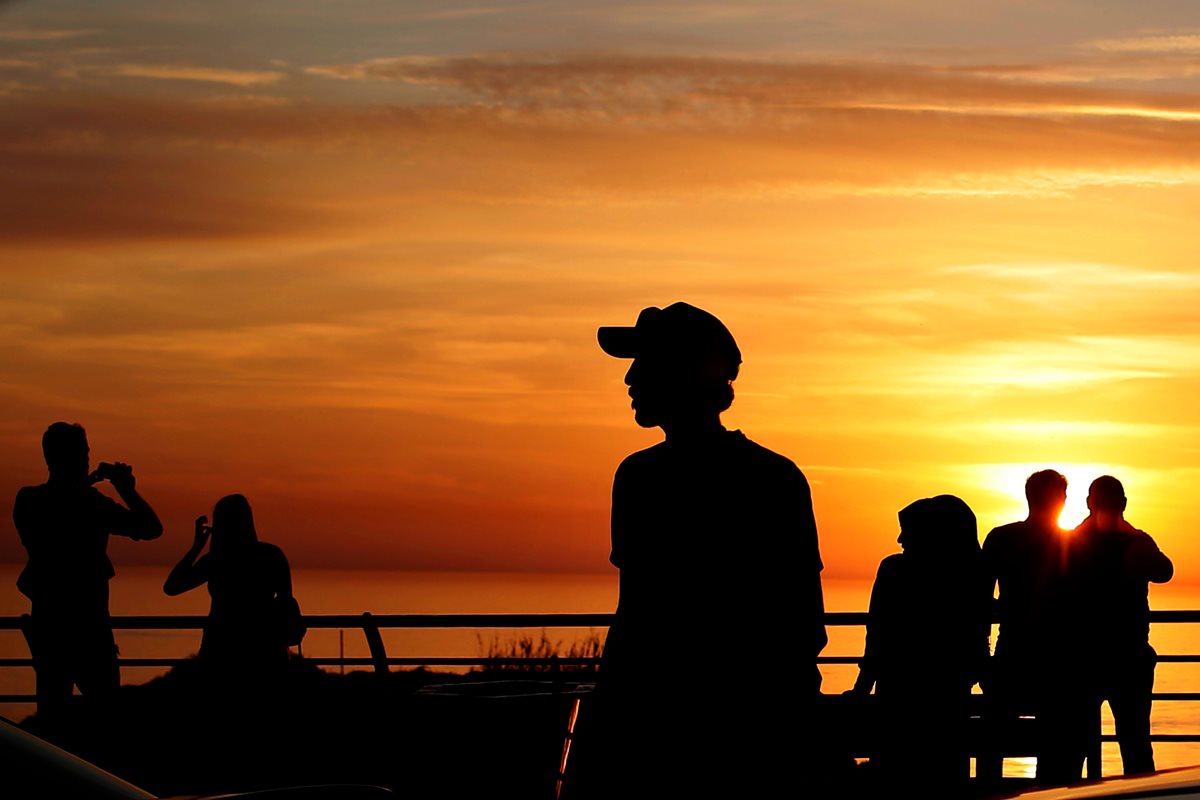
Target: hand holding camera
x=120, y=475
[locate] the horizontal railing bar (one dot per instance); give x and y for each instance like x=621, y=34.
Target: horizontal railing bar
x=440, y=661
x=581, y=620
x=448, y=661
x=318, y=621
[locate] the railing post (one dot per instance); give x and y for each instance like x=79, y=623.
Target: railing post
x=1095, y=768
x=375, y=643
x=26, y=625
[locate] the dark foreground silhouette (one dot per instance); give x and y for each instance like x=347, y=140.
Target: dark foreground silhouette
x=181, y=735
x=711, y=533
x=716, y=543
x=64, y=525
x=1108, y=654
x=1026, y=562
x=927, y=645
x=253, y=616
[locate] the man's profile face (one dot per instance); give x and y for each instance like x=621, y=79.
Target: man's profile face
x=659, y=389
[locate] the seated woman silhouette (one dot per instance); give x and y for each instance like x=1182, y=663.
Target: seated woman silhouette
x=927, y=643
x=250, y=584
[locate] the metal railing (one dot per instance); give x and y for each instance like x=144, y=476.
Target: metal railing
x=379, y=660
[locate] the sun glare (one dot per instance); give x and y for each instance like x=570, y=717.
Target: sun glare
x=1010, y=480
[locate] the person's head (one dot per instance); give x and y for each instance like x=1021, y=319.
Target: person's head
x=940, y=527
x=65, y=448
x=1046, y=492
x=1106, y=496
x=232, y=523
x=684, y=363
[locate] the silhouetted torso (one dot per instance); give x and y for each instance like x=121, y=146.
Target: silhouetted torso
x=1110, y=573
x=65, y=529
x=928, y=630
x=1026, y=561
x=717, y=547
x=242, y=626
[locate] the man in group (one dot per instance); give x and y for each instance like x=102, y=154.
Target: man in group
x=1026, y=561
x=64, y=525
x=1111, y=566
x=716, y=544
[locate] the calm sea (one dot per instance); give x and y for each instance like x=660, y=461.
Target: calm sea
x=138, y=590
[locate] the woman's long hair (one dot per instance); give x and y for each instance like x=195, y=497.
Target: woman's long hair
x=233, y=524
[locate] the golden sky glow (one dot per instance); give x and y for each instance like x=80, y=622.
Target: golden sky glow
x=350, y=260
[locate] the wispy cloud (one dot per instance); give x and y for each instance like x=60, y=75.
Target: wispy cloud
x=1160, y=43
x=174, y=72
x=43, y=34
x=728, y=89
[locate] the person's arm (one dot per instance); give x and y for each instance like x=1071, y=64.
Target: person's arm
x=283, y=575
x=621, y=511
x=192, y=569
x=811, y=566
x=138, y=522
x=1144, y=560
x=992, y=558
x=881, y=596
x=23, y=519
x=982, y=622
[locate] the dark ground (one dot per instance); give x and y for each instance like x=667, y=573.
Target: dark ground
x=185, y=734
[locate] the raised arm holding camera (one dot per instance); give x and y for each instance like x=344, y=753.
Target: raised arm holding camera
x=64, y=525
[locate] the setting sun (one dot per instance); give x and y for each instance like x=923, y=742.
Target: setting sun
x=1010, y=478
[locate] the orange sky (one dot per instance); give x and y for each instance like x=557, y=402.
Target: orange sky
x=351, y=261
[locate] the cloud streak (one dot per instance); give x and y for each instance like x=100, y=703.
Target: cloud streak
x=44, y=34
x=174, y=72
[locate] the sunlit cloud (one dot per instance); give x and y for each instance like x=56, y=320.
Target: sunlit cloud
x=43, y=34
x=201, y=74
x=364, y=280
x=1086, y=276
x=1068, y=428
x=1006, y=484
x=1019, y=183
x=1163, y=43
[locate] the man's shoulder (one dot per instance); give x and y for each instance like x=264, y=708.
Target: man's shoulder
x=1003, y=532
x=763, y=458
x=643, y=459
x=84, y=499
x=30, y=495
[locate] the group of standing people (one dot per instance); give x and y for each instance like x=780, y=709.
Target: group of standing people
x=1074, y=632
x=715, y=536
x=65, y=524
x=1075, y=625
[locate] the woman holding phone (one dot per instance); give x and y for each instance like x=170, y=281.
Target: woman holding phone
x=250, y=585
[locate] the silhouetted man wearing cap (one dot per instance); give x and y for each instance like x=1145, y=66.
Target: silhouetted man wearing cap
x=64, y=525
x=716, y=544
x=1111, y=564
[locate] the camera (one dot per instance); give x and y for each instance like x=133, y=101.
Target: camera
x=107, y=472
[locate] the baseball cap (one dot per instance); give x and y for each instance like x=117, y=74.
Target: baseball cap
x=679, y=332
